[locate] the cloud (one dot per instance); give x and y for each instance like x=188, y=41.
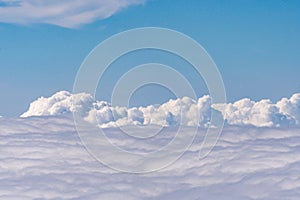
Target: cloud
x=182, y=111
x=63, y=13
x=290, y=107
x=260, y=114
x=60, y=103
x=43, y=158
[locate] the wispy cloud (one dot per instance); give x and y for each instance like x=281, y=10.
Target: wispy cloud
x=63, y=13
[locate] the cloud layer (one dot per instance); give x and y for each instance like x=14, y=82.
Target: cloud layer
x=62, y=13
x=43, y=158
x=184, y=111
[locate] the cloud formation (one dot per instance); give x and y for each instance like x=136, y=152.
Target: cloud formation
x=61, y=13
x=43, y=158
x=263, y=113
x=182, y=111
x=174, y=112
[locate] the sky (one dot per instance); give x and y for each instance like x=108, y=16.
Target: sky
x=245, y=148
x=255, y=45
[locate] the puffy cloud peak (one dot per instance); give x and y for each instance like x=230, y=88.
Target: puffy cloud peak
x=185, y=111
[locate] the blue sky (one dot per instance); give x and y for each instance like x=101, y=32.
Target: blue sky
x=255, y=45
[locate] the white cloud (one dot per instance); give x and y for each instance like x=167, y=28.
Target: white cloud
x=63, y=13
x=260, y=114
x=184, y=111
x=60, y=103
x=290, y=107
x=43, y=158
x=174, y=112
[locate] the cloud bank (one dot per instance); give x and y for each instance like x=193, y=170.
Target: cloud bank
x=183, y=111
x=61, y=13
x=43, y=158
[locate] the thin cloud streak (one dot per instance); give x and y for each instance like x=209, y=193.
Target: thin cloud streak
x=69, y=14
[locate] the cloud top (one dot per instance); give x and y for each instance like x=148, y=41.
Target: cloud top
x=43, y=158
x=61, y=13
x=182, y=111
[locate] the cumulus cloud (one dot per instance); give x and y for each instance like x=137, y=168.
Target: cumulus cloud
x=63, y=13
x=182, y=111
x=290, y=107
x=260, y=114
x=43, y=158
x=60, y=103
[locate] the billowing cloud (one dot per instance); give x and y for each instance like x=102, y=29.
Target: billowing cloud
x=260, y=114
x=60, y=103
x=63, y=13
x=43, y=158
x=183, y=111
x=290, y=107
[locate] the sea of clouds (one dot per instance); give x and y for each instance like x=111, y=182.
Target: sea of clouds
x=181, y=111
x=43, y=158
x=257, y=155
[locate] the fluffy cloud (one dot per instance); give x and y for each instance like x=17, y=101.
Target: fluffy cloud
x=60, y=103
x=290, y=107
x=184, y=111
x=43, y=158
x=260, y=114
x=62, y=13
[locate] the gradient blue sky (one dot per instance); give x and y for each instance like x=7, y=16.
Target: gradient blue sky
x=255, y=44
